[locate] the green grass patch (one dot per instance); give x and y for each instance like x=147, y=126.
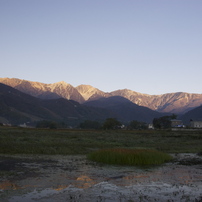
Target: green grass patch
x=131, y=157
x=68, y=142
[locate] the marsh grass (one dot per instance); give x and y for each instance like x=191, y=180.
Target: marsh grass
x=131, y=157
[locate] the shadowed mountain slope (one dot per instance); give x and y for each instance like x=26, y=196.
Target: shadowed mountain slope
x=194, y=114
x=124, y=109
x=17, y=107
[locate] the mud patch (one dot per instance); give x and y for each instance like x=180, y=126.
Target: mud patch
x=188, y=159
x=74, y=178
x=19, y=168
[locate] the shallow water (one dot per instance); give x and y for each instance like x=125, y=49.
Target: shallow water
x=74, y=178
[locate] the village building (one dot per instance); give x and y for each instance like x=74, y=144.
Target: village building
x=175, y=123
x=150, y=126
x=196, y=124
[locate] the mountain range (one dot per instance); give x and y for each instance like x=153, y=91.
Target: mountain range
x=17, y=107
x=24, y=101
x=178, y=103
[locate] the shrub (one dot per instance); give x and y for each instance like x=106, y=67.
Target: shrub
x=122, y=156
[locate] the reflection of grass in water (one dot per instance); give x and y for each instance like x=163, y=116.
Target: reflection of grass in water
x=122, y=156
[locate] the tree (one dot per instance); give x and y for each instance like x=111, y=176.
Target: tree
x=88, y=124
x=162, y=122
x=137, y=125
x=111, y=123
x=53, y=125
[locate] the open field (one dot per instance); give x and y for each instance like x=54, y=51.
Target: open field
x=72, y=142
x=51, y=165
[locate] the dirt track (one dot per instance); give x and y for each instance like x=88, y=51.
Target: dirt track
x=73, y=178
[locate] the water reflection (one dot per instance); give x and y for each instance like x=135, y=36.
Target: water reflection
x=60, y=187
x=174, y=176
x=7, y=185
x=84, y=182
x=163, y=175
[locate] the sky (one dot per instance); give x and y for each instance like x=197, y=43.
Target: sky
x=148, y=46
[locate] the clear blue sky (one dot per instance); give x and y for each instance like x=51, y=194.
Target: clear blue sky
x=148, y=46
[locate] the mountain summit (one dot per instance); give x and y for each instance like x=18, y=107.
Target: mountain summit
x=179, y=102
x=90, y=93
x=44, y=91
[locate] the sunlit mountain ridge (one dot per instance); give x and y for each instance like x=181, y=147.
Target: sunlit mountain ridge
x=179, y=102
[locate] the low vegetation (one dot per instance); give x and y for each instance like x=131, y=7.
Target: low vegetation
x=66, y=141
x=122, y=156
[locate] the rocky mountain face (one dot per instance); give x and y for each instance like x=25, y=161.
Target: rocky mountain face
x=90, y=93
x=179, y=102
x=45, y=91
x=171, y=102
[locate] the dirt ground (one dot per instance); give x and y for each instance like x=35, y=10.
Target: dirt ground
x=74, y=178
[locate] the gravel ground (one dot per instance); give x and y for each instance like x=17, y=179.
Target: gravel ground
x=73, y=178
